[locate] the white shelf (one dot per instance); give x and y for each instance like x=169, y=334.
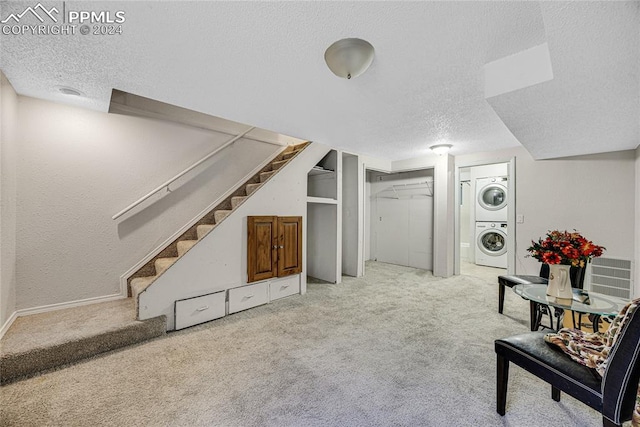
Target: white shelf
x=319, y=171
x=323, y=200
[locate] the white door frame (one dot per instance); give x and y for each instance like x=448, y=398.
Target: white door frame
x=511, y=212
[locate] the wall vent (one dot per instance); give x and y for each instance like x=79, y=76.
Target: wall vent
x=611, y=276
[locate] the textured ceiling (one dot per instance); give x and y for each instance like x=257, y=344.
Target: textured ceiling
x=261, y=63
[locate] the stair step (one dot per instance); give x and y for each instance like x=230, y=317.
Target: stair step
x=251, y=188
x=185, y=245
x=220, y=215
x=277, y=165
x=237, y=200
x=203, y=229
x=139, y=284
x=163, y=263
x=290, y=154
x=266, y=175
x=70, y=335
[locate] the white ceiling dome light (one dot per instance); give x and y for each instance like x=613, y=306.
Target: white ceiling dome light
x=440, y=149
x=349, y=58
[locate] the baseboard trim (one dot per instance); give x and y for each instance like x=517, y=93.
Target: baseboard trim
x=69, y=304
x=168, y=241
x=8, y=323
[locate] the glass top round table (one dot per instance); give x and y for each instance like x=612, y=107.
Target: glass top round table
x=582, y=302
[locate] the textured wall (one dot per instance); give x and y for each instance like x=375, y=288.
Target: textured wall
x=636, y=279
x=78, y=167
x=8, y=145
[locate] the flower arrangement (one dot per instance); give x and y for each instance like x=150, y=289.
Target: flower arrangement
x=562, y=247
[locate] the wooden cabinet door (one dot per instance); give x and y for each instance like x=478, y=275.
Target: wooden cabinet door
x=262, y=247
x=289, y=245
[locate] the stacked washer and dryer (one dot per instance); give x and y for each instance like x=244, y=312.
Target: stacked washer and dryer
x=491, y=221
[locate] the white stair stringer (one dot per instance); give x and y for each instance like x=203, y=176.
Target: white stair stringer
x=219, y=261
x=163, y=263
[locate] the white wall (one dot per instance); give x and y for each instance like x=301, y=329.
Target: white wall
x=443, y=216
x=636, y=259
x=466, y=208
x=351, y=216
x=8, y=147
x=593, y=194
x=367, y=216
x=78, y=167
x=322, y=241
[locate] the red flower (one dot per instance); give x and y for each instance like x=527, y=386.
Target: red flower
x=562, y=247
x=551, y=258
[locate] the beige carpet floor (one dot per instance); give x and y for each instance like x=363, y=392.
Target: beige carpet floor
x=397, y=347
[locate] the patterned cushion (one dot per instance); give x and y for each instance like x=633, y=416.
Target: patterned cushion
x=592, y=349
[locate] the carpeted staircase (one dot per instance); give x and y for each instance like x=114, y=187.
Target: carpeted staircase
x=145, y=276
x=49, y=340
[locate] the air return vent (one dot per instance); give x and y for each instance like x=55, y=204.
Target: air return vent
x=611, y=276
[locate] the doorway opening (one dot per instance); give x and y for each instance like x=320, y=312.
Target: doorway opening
x=485, y=227
x=401, y=218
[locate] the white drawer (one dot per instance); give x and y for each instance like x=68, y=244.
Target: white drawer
x=281, y=288
x=248, y=296
x=192, y=311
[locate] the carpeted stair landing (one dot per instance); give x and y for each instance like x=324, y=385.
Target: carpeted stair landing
x=48, y=340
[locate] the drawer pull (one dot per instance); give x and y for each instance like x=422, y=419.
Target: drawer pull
x=284, y=287
x=203, y=308
x=248, y=296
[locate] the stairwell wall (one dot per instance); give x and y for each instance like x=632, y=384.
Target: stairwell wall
x=219, y=261
x=8, y=146
x=78, y=167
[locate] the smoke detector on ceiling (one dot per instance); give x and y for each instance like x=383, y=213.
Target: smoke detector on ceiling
x=66, y=90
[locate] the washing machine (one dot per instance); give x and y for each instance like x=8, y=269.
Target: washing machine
x=491, y=244
x=491, y=199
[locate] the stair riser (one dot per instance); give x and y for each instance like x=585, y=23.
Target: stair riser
x=277, y=165
x=163, y=263
x=251, y=188
x=184, y=246
x=219, y=216
x=265, y=176
x=18, y=365
x=287, y=156
x=202, y=230
x=237, y=201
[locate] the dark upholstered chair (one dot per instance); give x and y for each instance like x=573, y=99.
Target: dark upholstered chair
x=576, y=275
x=614, y=395
x=511, y=281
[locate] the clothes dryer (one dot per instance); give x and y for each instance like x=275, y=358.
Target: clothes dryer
x=491, y=244
x=491, y=199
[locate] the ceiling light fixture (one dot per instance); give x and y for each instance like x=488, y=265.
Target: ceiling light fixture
x=440, y=149
x=66, y=90
x=349, y=58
